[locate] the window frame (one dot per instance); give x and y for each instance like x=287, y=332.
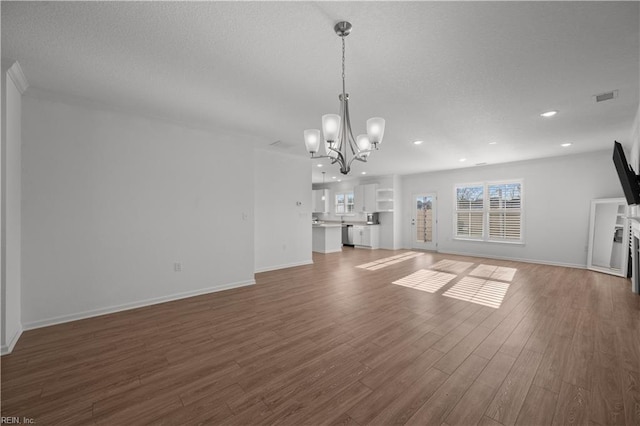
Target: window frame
x=348, y=207
x=487, y=210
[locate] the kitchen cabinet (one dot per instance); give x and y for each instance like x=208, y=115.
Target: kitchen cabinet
x=318, y=205
x=326, y=238
x=367, y=236
x=365, y=197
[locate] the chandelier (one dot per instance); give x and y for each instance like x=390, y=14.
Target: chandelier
x=340, y=145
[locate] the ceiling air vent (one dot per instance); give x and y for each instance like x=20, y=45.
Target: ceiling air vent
x=605, y=96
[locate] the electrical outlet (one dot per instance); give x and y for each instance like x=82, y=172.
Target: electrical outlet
x=177, y=267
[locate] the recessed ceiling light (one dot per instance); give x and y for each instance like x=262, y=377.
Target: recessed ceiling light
x=493, y=143
x=418, y=142
x=333, y=177
x=548, y=114
x=566, y=144
x=462, y=160
x=364, y=173
x=339, y=180
x=319, y=165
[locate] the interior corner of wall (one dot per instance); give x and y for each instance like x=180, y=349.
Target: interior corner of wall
x=7, y=347
x=14, y=71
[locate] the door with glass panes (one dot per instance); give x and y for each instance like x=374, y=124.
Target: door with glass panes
x=423, y=222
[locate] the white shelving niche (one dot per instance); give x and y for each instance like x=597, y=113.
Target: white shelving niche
x=384, y=199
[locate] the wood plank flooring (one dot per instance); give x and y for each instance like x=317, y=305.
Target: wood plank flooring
x=331, y=343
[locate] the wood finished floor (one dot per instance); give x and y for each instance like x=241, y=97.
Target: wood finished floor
x=331, y=343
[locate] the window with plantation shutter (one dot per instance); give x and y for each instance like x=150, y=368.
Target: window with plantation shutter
x=505, y=217
x=489, y=211
x=470, y=211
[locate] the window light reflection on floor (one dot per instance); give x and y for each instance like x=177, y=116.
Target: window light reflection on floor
x=388, y=261
x=426, y=280
x=494, y=272
x=480, y=291
x=453, y=266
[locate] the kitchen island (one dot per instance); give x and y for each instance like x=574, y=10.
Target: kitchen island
x=327, y=237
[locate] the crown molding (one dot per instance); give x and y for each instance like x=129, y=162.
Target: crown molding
x=18, y=77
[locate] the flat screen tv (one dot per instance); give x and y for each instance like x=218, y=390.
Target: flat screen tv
x=628, y=177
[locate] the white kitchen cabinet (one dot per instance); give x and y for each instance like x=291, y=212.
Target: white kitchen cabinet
x=367, y=236
x=365, y=198
x=318, y=205
x=326, y=238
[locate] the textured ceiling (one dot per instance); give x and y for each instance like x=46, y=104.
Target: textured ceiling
x=457, y=75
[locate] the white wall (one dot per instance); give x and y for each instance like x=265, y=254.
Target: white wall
x=282, y=227
x=10, y=213
x=634, y=143
x=111, y=201
x=557, y=195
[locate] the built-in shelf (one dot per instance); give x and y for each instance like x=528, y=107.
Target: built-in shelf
x=384, y=200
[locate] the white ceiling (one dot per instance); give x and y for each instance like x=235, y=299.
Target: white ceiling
x=457, y=75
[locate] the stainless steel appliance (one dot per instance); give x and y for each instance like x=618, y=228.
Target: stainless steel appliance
x=372, y=219
x=347, y=235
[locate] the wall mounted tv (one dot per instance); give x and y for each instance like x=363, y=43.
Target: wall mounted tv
x=628, y=177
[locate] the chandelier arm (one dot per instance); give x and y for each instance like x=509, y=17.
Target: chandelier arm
x=348, y=133
x=339, y=159
x=363, y=159
x=316, y=157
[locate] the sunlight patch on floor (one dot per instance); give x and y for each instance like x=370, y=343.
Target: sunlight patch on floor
x=494, y=272
x=388, y=261
x=453, y=266
x=426, y=280
x=480, y=291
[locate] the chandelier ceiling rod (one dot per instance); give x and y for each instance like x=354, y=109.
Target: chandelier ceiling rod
x=338, y=136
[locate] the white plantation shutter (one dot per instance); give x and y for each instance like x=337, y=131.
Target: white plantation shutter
x=504, y=226
x=505, y=216
x=469, y=211
x=470, y=224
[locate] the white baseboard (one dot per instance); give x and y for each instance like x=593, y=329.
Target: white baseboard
x=517, y=259
x=133, y=305
x=7, y=349
x=288, y=265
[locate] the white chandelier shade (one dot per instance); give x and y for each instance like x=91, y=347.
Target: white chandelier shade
x=331, y=127
x=364, y=145
x=375, y=130
x=312, y=140
x=340, y=145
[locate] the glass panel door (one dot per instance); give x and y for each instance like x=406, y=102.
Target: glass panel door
x=424, y=221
